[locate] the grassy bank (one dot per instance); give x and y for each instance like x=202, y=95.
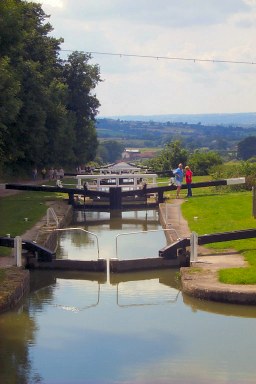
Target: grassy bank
x=220, y=213
x=21, y=212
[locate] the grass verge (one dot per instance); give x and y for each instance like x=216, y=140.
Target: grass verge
x=15, y=209
x=221, y=213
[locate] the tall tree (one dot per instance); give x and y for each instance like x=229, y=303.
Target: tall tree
x=47, y=109
x=10, y=104
x=32, y=57
x=81, y=78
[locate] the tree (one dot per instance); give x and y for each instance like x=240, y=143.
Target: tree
x=47, y=109
x=10, y=104
x=169, y=157
x=33, y=65
x=110, y=151
x=201, y=162
x=81, y=78
x=247, y=148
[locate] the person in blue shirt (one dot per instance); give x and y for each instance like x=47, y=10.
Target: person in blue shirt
x=178, y=173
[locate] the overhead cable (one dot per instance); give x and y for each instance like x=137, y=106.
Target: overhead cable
x=164, y=57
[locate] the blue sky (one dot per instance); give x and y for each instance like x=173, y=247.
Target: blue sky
x=198, y=29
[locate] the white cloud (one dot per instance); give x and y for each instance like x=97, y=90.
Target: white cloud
x=212, y=29
x=53, y=3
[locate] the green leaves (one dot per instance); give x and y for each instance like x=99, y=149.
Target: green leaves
x=81, y=78
x=47, y=110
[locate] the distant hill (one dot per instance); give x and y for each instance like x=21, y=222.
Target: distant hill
x=216, y=132
x=241, y=119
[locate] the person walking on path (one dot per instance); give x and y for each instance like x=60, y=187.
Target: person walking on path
x=178, y=173
x=188, y=176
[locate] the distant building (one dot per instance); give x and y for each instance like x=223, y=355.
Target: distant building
x=131, y=154
x=147, y=155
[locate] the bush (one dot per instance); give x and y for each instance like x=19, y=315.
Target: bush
x=232, y=170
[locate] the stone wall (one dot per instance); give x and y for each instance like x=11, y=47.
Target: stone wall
x=13, y=288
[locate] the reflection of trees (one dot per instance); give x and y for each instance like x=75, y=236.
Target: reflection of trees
x=17, y=332
x=78, y=239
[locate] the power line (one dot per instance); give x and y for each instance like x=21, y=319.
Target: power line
x=165, y=57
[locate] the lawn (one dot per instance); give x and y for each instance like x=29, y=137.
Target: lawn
x=21, y=212
x=220, y=213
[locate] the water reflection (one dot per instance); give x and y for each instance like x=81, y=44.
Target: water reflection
x=84, y=327
x=18, y=330
x=79, y=327
x=145, y=236
x=248, y=311
x=81, y=291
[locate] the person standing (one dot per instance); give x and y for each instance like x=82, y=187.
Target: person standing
x=178, y=173
x=43, y=173
x=188, y=175
x=34, y=173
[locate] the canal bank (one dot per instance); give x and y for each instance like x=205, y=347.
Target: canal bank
x=200, y=280
x=15, y=281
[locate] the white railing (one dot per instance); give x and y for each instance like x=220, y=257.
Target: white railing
x=51, y=213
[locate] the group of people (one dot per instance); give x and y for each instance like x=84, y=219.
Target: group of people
x=51, y=174
x=179, y=174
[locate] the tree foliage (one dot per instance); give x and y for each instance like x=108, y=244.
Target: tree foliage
x=202, y=162
x=174, y=153
x=81, y=78
x=169, y=158
x=109, y=151
x=47, y=109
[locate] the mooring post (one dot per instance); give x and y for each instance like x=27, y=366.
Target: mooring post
x=160, y=196
x=71, y=199
x=193, y=247
x=18, y=250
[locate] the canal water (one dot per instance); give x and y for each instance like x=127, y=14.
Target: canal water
x=81, y=327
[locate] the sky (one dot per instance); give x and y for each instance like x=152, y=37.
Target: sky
x=211, y=30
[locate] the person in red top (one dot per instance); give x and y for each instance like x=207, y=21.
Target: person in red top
x=188, y=175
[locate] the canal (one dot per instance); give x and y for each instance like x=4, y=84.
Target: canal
x=81, y=327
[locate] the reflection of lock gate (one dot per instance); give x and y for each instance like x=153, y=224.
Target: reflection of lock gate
x=129, y=293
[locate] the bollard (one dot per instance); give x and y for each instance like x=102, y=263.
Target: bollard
x=193, y=246
x=18, y=250
x=254, y=201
